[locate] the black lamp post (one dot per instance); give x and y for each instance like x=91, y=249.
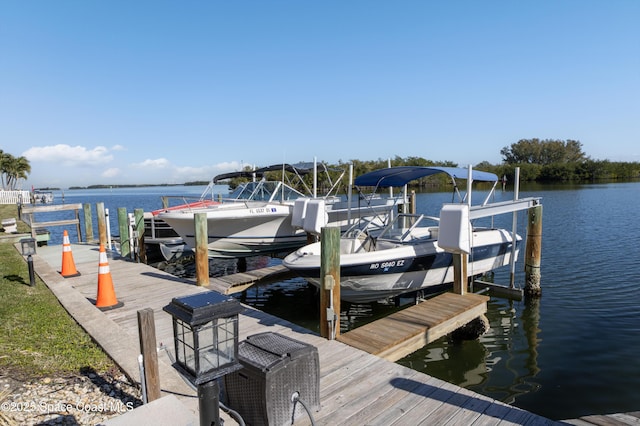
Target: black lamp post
x=205, y=332
x=29, y=249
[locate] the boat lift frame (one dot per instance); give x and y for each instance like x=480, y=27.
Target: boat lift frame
x=503, y=207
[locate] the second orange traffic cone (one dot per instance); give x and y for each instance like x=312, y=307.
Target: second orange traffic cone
x=106, y=294
x=68, y=265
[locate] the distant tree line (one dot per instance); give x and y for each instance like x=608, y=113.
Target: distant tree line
x=539, y=160
x=548, y=160
x=124, y=186
x=558, y=161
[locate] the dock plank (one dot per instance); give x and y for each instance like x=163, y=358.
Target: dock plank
x=361, y=404
x=383, y=403
x=438, y=407
x=618, y=419
x=347, y=397
x=446, y=411
x=343, y=376
x=470, y=411
x=415, y=392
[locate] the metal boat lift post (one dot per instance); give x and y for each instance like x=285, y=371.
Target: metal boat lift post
x=532, y=245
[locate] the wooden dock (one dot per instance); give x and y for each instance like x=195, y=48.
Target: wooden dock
x=616, y=419
x=402, y=333
x=355, y=386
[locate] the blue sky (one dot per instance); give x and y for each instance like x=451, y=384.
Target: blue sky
x=166, y=92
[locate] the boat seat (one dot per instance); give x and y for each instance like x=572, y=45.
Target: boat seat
x=362, y=243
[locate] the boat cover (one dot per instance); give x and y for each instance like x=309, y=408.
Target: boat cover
x=299, y=168
x=400, y=176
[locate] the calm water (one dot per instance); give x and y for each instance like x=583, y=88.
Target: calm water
x=573, y=352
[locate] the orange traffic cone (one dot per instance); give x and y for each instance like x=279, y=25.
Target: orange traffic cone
x=68, y=265
x=106, y=294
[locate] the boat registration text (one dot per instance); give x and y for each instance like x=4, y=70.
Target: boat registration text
x=263, y=210
x=387, y=265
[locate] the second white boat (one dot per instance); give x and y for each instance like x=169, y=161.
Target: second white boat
x=409, y=253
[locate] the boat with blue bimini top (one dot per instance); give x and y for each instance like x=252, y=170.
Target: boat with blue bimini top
x=414, y=252
x=268, y=216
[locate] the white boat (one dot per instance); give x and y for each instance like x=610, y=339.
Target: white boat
x=41, y=197
x=406, y=255
x=267, y=216
x=161, y=241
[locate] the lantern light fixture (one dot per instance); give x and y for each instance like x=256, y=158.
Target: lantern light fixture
x=205, y=331
x=28, y=246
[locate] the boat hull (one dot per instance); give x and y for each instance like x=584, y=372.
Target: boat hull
x=244, y=229
x=236, y=231
x=377, y=275
x=161, y=242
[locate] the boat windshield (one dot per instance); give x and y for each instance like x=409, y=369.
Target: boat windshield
x=408, y=226
x=265, y=191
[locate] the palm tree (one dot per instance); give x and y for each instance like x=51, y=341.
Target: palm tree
x=3, y=159
x=13, y=169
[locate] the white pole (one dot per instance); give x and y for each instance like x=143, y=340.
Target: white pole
x=282, y=183
x=465, y=257
x=106, y=215
x=349, y=194
x=516, y=195
x=405, y=199
x=315, y=177
x=469, y=184
x=133, y=235
x=391, y=187
x=143, y=380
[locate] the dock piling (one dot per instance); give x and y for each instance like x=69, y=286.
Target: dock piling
x=102, y=225
x=330, y=277
x=139, y=228
x=147, y=335
x=202, y=252
x=88, y=223
x=533, y=252
x=460, y=272
x=123, y=224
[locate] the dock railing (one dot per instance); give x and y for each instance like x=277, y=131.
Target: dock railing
x=27, y=214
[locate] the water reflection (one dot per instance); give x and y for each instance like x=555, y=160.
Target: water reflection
x=531, y=324
x=185, y=266
x=435, y=360
x=501, y=364
x=291, y=300
x=512, y=360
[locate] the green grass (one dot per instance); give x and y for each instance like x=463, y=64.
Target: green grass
x=37, y=336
